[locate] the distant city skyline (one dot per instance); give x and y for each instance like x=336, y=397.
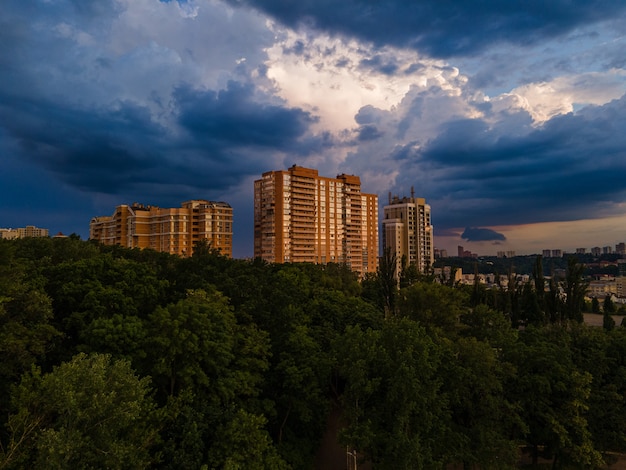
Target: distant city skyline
x=534, y=238
x=507, y=117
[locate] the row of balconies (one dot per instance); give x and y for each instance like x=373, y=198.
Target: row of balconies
x=302, y=181
x=302, y=202
x=302, y=211
x=298, y=189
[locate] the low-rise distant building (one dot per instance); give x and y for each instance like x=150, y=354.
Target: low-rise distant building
x=506, y=254
x=503, y=280
x=471, y=278
x=492, y=280
x=168, y=230
x=463, y=253
x=25, y=232
x=621, y=267
x=8, y=234
x=600, y=288
x=447, y=274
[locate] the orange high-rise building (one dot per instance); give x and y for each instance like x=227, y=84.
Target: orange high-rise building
x=173, y=230
x=301, y=217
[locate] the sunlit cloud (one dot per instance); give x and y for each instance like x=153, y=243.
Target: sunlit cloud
x=116, y=101
x=545, y=100
x=336, y=78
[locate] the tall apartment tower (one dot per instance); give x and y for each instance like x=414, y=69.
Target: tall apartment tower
x=171, y=230
x=407, y=232
x=301, y=217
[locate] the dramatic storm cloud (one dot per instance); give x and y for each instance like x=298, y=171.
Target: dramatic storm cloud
x=475, y=234
x=507, y=116
x=441, y=29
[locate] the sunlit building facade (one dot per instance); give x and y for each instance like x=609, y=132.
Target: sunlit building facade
x=23, y=232
x=168, y=230
x=408, y=232
x=301, y=217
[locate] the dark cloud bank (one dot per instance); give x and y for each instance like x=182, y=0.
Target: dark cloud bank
x=441, y=29
x=208, y=141
x=569, y=168
x=475, y=234
x=222, y=138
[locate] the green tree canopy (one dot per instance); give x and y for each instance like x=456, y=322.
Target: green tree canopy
x=433, y=305
x=392, y=399
x=90, y=412
x=553, y=396
x=195, y=345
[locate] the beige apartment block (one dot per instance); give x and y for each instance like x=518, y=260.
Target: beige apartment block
x=24, y=232
x=408, y=232
x=168, y=230
x=602, y=287
x=301, y=217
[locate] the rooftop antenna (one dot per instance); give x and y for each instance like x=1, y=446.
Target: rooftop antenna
x=412, y=193
x=389, y=197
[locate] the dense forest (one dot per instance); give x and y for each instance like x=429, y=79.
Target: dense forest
x=117, y=358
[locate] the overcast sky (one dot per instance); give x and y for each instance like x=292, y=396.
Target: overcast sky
x=509, y=117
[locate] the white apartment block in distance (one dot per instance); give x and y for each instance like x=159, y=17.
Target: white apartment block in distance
x=408, y=232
